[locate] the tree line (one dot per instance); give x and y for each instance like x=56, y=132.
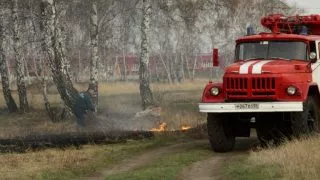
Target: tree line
x=64, y=38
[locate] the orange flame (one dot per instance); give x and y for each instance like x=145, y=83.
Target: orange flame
x=185, y=127
x=162, y=127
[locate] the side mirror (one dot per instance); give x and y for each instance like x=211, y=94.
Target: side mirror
x=215, y=57
x=313, y=57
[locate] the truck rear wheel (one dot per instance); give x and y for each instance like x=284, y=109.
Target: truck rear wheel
x=263, y=133
x=307, y=121
x=270, y=131
x=220, y=133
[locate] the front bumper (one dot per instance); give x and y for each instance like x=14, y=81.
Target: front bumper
x=251, y=107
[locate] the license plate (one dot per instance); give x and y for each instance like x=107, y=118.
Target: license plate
x=246, y=106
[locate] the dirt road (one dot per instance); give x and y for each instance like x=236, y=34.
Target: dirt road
x=208, y=169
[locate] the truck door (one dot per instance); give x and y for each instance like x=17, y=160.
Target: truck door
x=318, y=49
x=316, y=66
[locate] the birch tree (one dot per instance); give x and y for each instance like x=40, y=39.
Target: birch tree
x=94, y=51
x=53, y=47
x=162, y=36
x=20, y=69
x=144, y=75
x=125, y=37
x=11, y=104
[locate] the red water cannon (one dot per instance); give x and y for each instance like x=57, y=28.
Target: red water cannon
x=215, y=57
x=278, y=23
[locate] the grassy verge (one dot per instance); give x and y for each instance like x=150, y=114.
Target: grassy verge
x=245, y=169
x=167, y=167
x=293, y=160
x=72, y=163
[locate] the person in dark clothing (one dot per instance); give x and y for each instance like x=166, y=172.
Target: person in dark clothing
x=82, y=105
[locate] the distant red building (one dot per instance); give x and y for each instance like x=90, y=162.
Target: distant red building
x=201, y=62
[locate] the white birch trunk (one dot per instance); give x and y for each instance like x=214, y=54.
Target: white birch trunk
x=174, y=68
x=124, y=63
x=12, y=106
x=79, y=66
x=144, y=75
x=166, y=69
x=25, y=63
x=181, y=71
x=60, y=50
x=188, y=67
x=20, y=70
x=44, y=90
x=54, y=47
x=194, y=67
x=35, y=67
x=94, y=52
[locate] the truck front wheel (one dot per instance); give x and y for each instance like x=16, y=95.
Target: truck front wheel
x=220, y=133
x=307, y=121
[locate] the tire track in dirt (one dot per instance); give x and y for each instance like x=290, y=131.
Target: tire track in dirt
x=203, y=170
x=210, y=169
x=143, y=159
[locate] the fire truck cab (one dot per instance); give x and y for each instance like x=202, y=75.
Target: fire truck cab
x=272, y=86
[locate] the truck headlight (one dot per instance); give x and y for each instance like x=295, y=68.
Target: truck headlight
x=215, y=91
x=291, y=90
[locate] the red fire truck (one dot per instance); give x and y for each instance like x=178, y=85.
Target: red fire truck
x=272, y=86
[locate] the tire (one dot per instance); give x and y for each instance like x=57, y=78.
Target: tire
x=271, y=130
x=263, y=133
x=306, y=122
x=220, y=133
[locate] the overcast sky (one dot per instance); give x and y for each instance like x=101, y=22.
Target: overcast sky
x=311, y=6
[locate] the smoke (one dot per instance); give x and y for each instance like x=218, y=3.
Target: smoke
x=119, y=115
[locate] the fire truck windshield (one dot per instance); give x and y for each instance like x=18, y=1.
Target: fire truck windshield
x=284, y=50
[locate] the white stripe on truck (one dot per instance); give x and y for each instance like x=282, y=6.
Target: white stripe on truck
x=244, y=68
x=257, y=68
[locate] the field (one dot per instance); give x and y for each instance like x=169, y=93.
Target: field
x=118, y=104
x=299, y=159
x=168, y=155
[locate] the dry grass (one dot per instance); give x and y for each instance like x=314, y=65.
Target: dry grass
x=107, y=89
x=133, y=87
x=179, y=107
x=178, y=103
x=175, y=120
x=35, y=100
x=27, y=166
x=33, y=122
x=70, y=163
x=296, y=160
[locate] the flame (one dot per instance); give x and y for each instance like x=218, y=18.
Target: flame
x=185, y=127
x=162, y=127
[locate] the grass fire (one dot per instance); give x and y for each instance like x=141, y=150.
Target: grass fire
x=148, y=90
x=117, y=111
x=185, y=127
x=162, y=127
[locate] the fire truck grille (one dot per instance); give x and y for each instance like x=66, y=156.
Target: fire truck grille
x=237, y=83
x=250, y=87
x=237, y=86
x=263, y=83
x=263, y=86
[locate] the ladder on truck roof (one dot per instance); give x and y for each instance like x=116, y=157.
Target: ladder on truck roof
x=279, y=23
